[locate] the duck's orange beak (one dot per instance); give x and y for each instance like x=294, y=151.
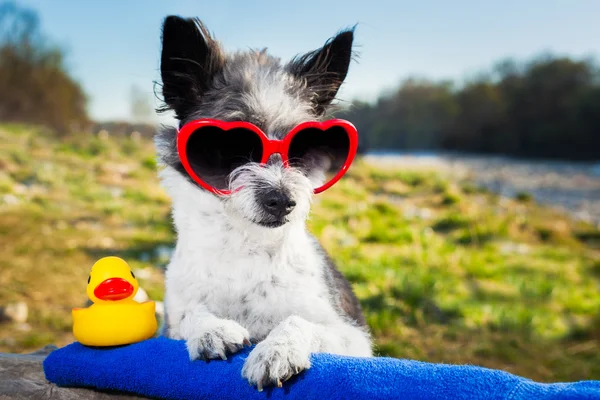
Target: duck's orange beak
x=113, y=289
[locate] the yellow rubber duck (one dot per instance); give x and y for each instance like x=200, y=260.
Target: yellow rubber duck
x=115, y=318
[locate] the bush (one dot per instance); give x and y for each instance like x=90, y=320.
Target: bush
x=523, y=197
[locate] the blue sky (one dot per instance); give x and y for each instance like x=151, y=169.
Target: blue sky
x=114, y=44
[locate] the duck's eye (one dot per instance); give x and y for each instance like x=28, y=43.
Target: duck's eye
x=89, y=279
x=132, y=275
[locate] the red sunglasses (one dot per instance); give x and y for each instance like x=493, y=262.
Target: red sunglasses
x=210, y=150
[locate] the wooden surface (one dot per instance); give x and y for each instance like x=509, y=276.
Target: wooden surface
x=22, y=377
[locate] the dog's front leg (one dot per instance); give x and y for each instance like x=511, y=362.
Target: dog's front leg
x=286, y=350
x=208, y=337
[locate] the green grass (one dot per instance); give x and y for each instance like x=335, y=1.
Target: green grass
x=445, y=271
x=523, y=197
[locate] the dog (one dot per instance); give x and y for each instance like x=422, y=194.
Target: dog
x=245, y=270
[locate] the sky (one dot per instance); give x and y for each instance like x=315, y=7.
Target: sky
x=115, y=44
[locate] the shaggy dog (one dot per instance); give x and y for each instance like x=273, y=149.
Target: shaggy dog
x=245, y=269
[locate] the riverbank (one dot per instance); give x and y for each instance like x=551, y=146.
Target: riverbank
x=569, y=186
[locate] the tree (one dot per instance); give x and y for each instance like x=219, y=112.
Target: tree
x=35, y=86
x=549, y=107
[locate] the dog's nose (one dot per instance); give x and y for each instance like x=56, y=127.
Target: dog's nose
x=277, y=203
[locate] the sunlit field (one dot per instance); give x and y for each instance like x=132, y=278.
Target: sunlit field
x=445, y=271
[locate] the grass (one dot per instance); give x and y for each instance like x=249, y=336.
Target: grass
x=523, y=197
x=445, y=271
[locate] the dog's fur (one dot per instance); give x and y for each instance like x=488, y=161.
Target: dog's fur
x=239, y=274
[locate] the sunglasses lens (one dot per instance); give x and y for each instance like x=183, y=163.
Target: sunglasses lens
x=320, y=154
x=213, y=153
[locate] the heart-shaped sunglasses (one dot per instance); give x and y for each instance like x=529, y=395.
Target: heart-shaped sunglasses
x=210, y=150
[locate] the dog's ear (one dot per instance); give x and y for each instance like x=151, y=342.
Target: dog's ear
x=326, y=68
x=190, y=59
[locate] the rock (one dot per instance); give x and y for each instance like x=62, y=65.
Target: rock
x=514, y=248
x=107, y=242
x=116, y=191
x=10, y=199
x=22, y=377
x=24, y=327
x=14, y=312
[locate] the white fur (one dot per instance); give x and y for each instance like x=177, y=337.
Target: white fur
x=231, y=279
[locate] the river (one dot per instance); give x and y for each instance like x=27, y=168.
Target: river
x=571, y=186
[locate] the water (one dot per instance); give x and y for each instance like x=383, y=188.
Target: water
x=158, y=256
x=571, y=186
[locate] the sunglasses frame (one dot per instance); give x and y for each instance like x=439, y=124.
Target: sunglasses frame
x=270, y=146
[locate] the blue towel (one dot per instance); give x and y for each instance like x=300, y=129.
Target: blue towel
x=161, y=368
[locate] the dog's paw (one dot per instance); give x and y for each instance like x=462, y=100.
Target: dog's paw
x=273, y=362
x=216, y=339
